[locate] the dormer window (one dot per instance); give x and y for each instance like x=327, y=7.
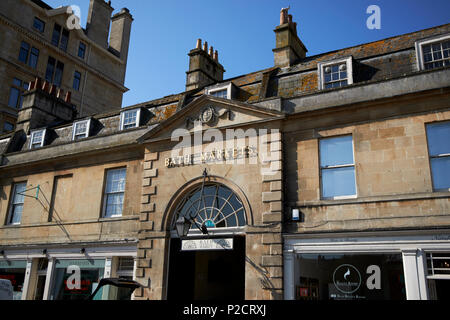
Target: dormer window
x=335, y=74
x=225, y=91
x=130, y=119
x=81, y=129
x=433, y=52
x=37, y=139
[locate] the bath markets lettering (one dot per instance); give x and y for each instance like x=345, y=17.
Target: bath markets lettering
x=215, y=155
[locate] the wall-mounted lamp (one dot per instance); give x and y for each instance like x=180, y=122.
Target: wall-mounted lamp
x=44, y=252
x=83, y=251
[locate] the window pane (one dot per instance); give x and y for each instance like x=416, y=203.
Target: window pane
x=19, y=189
x=50, y=69
x=336, y=151
x=33, y=58
x=17, y=214
x=56, y=35
x=114, y=205
x=23, y=54
x=7, y=126
x=440, y=169
x=59, y=74
x=76, y=80
x=39, y=24
x=338, y=182
x=116, y=181
x=438, y=138
x=14, y=94
x=64, y=40
x=81, y=50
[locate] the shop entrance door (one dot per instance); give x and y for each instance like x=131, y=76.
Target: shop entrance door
x=207, y=275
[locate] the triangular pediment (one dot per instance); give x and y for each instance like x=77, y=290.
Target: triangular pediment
x=211, y=112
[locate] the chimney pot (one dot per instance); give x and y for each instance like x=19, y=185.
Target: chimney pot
x=46, y=86
x=68, y=97
x=216, y=56
x=199, y=44
x=53, y=90
x=205, y=46
x=60, y=94
x=211, y=51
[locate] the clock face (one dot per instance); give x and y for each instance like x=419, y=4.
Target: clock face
x=207, y=115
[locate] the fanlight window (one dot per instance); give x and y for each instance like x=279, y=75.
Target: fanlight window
x=217, y=207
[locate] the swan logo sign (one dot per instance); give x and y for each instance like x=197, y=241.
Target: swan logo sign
x=347, y=279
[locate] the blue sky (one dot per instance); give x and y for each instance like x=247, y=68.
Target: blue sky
x=163, y=32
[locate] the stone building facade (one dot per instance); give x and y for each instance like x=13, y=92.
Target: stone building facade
x=40, y=41
x=321, y=177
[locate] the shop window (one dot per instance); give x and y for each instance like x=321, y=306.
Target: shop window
x=14, y=271
x=439, y=152
x=336, y=73
x=438, y=278
x=350, y=277
x=216, y=206
x=114, y=192
x=91, y=272
x=16, y=205
x=337, y=168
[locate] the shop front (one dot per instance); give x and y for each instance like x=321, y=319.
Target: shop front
x=64, y=273
x=396, y=266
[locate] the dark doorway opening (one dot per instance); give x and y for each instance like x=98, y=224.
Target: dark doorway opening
x=207, y=275
x=439, y=289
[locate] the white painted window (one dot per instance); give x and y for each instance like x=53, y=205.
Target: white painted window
x=337, y=168
x=130, y=119
x=433, y=52
x=222, y=91
x=16, y=206
x=114, y=192
x=37, y=139
x=336, y=73
x=81, y=129
x=439, y=152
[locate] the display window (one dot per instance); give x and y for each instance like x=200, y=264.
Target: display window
x=14, y=271
x=76, y=279
x=350, y=277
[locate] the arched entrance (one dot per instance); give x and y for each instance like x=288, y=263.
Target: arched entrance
x=212, y=266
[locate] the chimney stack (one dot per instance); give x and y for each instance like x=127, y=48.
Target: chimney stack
x=119, y=39
x=204, y=67
x=98, y=21
x=42, y=105
x=289, y=48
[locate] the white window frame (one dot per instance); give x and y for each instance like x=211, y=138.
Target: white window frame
x=211, y=90
x=105, y=194
x=321, y=66
x=33, y=133
x=12, y=204
x=435, y=156
x=419, y=48
x=74, y=129
x=352, y=196
x=122, y=118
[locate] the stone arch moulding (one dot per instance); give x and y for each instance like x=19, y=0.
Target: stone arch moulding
x=194, y=183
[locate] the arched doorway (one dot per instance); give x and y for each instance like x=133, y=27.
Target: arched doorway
x=212, y=266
